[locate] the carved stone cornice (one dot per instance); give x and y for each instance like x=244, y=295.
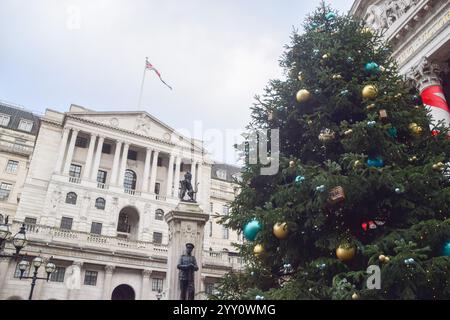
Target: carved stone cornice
x=109, y=268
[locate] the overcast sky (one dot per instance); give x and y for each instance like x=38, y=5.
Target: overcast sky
x=216, y=54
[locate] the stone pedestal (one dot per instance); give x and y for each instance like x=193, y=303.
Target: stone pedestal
x=186, y=225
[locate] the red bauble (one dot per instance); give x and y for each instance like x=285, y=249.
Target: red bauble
x=434, y=133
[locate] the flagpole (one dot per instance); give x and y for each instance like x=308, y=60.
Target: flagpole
x=142, y=84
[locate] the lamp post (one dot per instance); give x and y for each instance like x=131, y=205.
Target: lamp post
x=37, y=263
x=19, y=240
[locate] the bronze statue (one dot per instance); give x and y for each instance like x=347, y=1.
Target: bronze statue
x=186, y=186
x=187, y=266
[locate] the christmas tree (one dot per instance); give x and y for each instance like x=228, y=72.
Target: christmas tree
x=359, y=208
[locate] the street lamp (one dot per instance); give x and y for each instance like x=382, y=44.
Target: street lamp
x=37, y=263
x=19, y=240
x=159, y=294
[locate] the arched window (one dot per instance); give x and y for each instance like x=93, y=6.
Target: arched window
x=159, y=214
x=129, y=181
x=71, y=198
x=100, y=203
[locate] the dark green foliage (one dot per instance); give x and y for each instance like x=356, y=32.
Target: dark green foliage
x=416, y=215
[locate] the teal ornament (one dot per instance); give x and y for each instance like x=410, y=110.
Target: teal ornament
x=377, y=162
x=313, y=25
x=316, y=51
x=299, y=179
x=446, y=250
x=371, y=124
x=344, y=92
x=350, y=60
x=320, y=188
x=251, y=229
x=259, y=297
x=372, y=67
x=330, y=16
x=409, y=261
x=393, y=132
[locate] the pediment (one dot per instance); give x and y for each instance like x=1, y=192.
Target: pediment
x=139, y=123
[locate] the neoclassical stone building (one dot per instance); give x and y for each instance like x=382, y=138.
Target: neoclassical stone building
x=419, y=33
x=98, y=187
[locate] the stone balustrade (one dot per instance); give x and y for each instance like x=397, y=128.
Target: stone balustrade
x=45, y=234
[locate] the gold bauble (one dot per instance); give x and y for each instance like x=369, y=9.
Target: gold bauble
x=387, y=259
x=357, y=164
x=258, y=250
x=303, y=95
x=415, y=129
x=300, y=76
x=280, y=230
x=291, y=163
x=345, y=253
x=337, y=76
x=325, y=56
x=355, y=296
x=398, y=95
x=370, y=92
x=348, y=132
x=326, y=135
x=412, y=159
x=438, y=166
x=370, y=106
x=382, y=258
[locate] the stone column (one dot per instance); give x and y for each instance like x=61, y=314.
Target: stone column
x=430, y=86
x=170, y=176
x=154, y=171
x=98, y=156
x=194, y=172
x=4, y=266
x=69, y=156
x=177, y=174
x=107, y=283
x=186, y=225
x=116, y=160
x=90, y=153
x=148, y=155
x=199, y=181
x=146, y=285
x=123, y=165
x=62, y=150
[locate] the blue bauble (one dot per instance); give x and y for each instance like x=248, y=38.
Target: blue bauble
x=446, y=250
x=377, y=162
x=350, y=60
x=372, y=67
x=299, y=179
x=371, y=124
x=251, y=229
x=320, y=188
x=330, y=16
x=392, y=132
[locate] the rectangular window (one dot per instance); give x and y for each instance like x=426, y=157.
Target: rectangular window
x=96, y=228
x=159, y=162
x=75, y=171
x=209, y=288
x=90, y=278
x=106, y=148
x=81, y=142
x=225, y=233
x=30, y=223
x=12, y=166
x=58, y=274
x=66, y=223
x=25, y=125
x=5, y=190
x=157, y=284
x=4, y=120
x=157, y=237
x=17, y=271
x=157, y=187
x=132, y=155
x=225, y=210
x=101, y=176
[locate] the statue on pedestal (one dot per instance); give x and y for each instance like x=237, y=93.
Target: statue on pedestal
x=186, y=186
x=187, y=266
